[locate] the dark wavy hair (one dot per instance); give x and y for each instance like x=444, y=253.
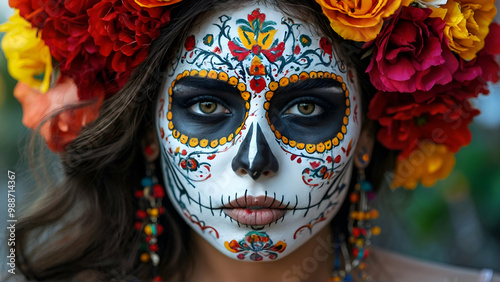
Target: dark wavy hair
x=85, y=224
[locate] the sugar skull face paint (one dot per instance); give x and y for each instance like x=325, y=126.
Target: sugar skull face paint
x=257, y=124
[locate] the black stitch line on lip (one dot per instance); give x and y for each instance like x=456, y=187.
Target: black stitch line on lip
x=236, y=199
x=229, y=201
x=287, y=205
x=222, y=199
x=274, y=200
x=265, y=196
x=238, y=223
x=221, y=210
x=246, y=190
x=282, y=200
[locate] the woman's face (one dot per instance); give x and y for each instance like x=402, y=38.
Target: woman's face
x=257, y=123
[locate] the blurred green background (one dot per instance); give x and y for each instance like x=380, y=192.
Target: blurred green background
x=455, y=222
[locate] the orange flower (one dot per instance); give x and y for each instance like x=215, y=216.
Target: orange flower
x=426, y=164
x=359, y=20
x=61, y=129
x=467, y=25
x=155, y=3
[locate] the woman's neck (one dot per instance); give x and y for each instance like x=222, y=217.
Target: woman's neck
x=313, y=261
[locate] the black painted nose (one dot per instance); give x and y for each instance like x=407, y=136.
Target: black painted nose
x=254, y=156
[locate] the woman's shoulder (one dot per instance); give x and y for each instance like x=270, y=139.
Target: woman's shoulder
x=389, y=266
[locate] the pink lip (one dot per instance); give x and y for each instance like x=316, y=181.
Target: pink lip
x=252, y=210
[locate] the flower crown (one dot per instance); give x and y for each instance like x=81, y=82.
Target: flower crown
x=428, y=59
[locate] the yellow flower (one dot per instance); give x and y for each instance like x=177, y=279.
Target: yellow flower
x=26, y=53
x=155, y=3
x=359, y=20
x=467, y=24
x=427, y=164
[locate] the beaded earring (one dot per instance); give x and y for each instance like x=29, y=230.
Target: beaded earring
x=360, y=230
x=150, y=196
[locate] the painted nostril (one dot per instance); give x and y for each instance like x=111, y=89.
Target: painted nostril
x=254, y=156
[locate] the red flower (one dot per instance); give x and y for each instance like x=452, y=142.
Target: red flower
x=124, y=32
x=189, y=43
x=407, y=119
x=31, y=10
x=258, y=84
x=487, y=57
x=326, y=45
x=65, y=31
x=411, y=53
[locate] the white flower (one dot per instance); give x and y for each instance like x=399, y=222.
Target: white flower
x=431, y=3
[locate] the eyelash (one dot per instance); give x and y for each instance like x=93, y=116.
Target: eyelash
x=200, y=99
x=316, y=101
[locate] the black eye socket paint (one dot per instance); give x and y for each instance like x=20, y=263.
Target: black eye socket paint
x=325, y=93
x=191, y=90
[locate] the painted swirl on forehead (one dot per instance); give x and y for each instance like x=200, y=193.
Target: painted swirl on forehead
x=261, y=50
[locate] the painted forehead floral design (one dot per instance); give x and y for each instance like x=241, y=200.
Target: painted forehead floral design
x=427, y=60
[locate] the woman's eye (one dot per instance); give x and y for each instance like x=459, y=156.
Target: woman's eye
x=305, y=109
x=209, y=107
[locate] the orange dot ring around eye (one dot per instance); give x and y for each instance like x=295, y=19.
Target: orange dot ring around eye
x=309, y=147
x=211, y=74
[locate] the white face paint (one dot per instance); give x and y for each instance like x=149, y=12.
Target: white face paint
x=258, y=123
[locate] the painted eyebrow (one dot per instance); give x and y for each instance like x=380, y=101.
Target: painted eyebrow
x=206, y=84
x=308, y=84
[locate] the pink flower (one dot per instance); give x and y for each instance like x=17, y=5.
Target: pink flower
x=411, y=53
